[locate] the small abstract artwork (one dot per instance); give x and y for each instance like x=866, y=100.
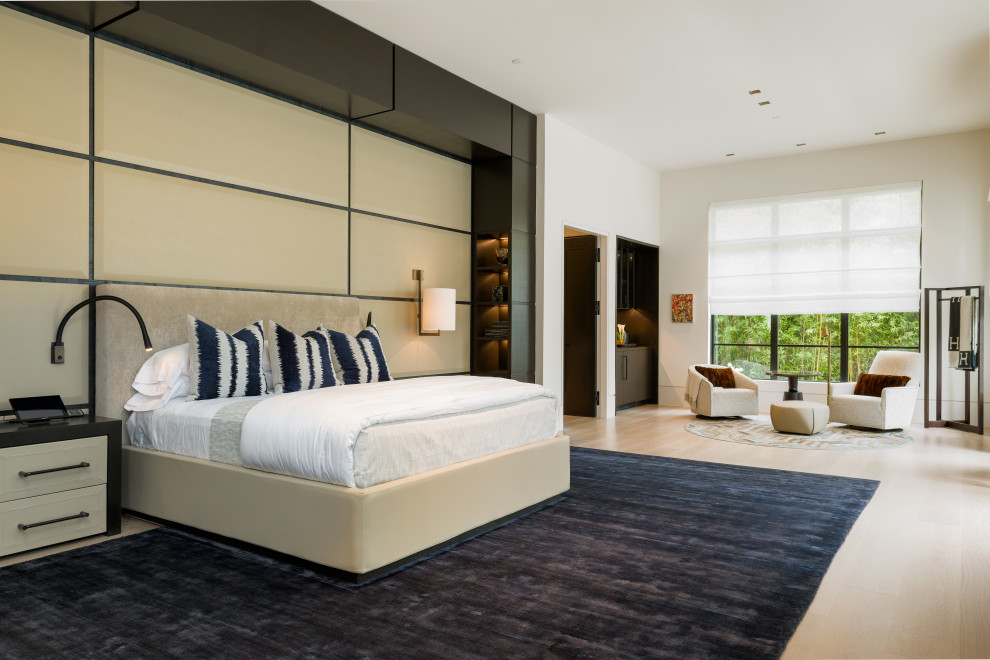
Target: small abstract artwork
x=682, y=307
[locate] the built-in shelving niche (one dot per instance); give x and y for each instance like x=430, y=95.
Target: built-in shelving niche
x=491, y=354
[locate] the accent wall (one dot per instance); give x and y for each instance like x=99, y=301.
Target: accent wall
x=181, y=178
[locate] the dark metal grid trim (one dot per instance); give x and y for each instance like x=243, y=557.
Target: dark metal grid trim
x=373, y=214
x=137, y=5
x=94, y=282
x=219, y=75
x=51, y=19
x=223, y=184
x=40, y=147
x=91, y=166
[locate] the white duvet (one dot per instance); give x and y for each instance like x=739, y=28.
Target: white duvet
x=393, y=429
x=312, y=433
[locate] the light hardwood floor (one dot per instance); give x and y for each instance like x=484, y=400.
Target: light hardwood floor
x=913, y=577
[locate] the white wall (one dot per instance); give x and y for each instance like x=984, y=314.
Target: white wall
x=584, y=184
x=954, y=169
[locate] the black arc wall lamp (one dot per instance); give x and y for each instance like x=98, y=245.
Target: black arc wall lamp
x=58, y=349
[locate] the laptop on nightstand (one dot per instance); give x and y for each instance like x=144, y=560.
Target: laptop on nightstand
x=39, y=409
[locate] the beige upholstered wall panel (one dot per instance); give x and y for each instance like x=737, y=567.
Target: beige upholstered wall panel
x=161, y=115
x=395, y=178
x=154, y=228
x=45, y=78
x=44, y=213
x=385, y=252
x=407, y=353
x=30, y=317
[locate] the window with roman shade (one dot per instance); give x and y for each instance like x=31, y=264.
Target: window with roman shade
x=785, y=271
x=832, y=252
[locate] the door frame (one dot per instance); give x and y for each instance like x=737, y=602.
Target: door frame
x=602, y=335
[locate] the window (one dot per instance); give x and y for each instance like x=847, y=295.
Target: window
x=793, y=342
x=781, y=269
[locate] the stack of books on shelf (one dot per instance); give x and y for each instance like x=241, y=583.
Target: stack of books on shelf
x=499, y=330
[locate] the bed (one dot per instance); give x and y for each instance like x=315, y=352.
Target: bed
x=360, y=532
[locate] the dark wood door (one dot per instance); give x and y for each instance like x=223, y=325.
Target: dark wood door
x=580, y=325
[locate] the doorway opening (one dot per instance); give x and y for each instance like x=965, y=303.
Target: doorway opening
x=637, y=312
x=582, y=309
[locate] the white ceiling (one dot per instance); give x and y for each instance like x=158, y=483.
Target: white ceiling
x=667, y=81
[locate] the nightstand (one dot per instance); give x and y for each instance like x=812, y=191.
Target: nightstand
x=58, y=482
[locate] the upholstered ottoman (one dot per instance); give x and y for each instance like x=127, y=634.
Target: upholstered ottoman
x=799, y=416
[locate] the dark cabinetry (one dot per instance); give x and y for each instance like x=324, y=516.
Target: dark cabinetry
x=625, y=265
x=58, y=482
x=633, y=375
x=504, y=215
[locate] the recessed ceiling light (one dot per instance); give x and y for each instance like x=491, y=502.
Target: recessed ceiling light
x=801, y=144
x=727, y=155
x=517, y=61
x=754, y=91
x=880, y=133
x=764, y=103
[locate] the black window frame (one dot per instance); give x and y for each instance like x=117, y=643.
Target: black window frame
x=774, y=344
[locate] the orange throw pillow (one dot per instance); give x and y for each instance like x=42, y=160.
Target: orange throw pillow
x=874, y=384
x=718, y=376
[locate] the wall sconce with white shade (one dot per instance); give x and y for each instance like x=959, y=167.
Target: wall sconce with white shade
x=437, y=308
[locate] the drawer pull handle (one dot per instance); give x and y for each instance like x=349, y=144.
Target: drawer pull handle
x=23, y=527
x=83, y=464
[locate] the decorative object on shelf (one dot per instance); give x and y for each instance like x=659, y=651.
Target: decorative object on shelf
x=682, y=307
x=499, y=330
x=621, y=336
x=498, y=293
x=437, y=308
x=58, y=349
x=502, y=256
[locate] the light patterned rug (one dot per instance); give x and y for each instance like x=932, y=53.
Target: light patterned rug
x=757, y=430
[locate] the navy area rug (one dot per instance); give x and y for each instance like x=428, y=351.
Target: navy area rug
x=647, y=557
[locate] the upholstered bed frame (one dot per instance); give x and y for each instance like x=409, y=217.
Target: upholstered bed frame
x=359, y=532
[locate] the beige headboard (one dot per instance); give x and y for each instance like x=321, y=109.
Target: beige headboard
x=120, y=350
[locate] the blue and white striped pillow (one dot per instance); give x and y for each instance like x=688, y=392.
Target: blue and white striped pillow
x=358, y=359
x=222, y=365
x=300, y=362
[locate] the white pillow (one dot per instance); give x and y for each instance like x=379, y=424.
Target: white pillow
x=163, y=376
x=161, y=372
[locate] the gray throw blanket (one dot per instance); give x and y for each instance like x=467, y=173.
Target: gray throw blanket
x=225, y=432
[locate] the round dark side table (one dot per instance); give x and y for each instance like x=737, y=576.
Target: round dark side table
x=792, y=393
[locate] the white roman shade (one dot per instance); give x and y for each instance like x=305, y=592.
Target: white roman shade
x=823, y=253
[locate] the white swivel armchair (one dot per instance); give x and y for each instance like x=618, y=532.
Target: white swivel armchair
x=710, y=401
x=894, y=408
